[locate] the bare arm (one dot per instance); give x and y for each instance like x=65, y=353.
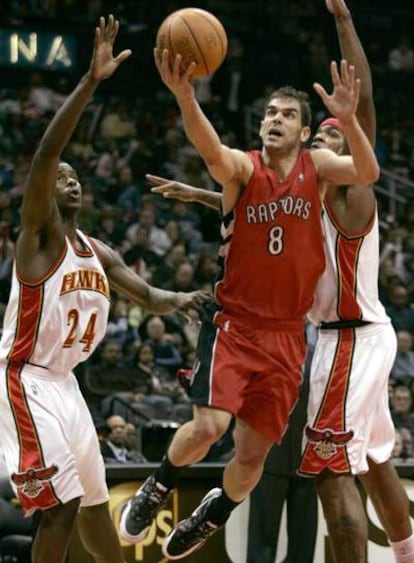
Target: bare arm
x=126, y=282
x=38, y=198
x=353, y=52
x=362, y=166
x=183, y=192
x=231, y=168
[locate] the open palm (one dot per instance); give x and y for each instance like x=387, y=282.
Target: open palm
x=343, y=101
x=103, y=63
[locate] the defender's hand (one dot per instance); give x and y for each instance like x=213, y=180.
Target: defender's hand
x=343, y=101
x=103, y=63
x=171, y=189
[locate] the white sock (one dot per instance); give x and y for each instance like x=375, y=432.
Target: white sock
x=404, y=550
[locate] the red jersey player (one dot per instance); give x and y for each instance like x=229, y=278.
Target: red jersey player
x=252, y=348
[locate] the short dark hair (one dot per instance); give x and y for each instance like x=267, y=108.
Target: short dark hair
x=299, y=96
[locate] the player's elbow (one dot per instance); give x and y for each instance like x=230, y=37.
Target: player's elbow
x=370, y=174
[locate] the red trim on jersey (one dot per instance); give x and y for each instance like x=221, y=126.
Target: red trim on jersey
x=31, y=456
x=88, y=253
x=342, y=231
x=49, y=272
x=328, y=451
x=347, y=255
x=27, y=323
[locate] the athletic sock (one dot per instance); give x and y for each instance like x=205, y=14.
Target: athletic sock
x=167, y=474
x=404, y=550
x=220, y=509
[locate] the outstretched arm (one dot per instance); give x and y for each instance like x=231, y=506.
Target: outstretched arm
x=230, y=168
x=170, y=189
x=158, y=301
x=38, y=198
x=362, y=166
x=353, y=52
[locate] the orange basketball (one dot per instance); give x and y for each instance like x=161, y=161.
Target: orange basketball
x=197, y=36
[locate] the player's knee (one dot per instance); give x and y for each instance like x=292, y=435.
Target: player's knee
x=336, y=492
x=252, y=461
x=209, y=430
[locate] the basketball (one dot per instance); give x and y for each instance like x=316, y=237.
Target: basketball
x=197, y=36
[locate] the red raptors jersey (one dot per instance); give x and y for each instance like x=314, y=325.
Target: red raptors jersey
x=272, y=250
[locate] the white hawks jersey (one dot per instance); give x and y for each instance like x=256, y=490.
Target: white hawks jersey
x=348, y=288
x=56, y=322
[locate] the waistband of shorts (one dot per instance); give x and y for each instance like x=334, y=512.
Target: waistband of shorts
x=260, y=323
x=349, y=323
x=361, y=331
x=35, y=371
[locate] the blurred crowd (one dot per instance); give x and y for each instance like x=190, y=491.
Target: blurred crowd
x=134, y=128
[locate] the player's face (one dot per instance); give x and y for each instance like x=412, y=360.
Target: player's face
x=68, y=189
x=329, y=137
x=281, y=128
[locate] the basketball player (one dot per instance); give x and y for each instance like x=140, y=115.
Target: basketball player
x=349, y=428
x=350, y=323
x=252, y=350
x=56, y=315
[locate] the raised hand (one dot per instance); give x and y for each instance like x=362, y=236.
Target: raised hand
x=171, y=189
x=338, y=8
x=343, y=101
x=103, y=63
x=175, y=78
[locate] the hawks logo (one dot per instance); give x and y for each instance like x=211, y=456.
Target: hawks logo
x=30, y=482
x=327, y=440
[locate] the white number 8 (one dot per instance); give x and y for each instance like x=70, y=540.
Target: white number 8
x=275, y=243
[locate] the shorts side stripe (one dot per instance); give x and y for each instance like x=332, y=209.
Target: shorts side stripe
x=328, y=435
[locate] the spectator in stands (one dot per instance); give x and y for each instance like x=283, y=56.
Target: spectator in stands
x=114, y=449
x=183, y=278
x=132, y=444
x=402, y=315
x=128, y=190
x=397, y=452
x=401, y=408
x=117, y=123
x=117, y=330
x=139, y=255
x=172, y=260
x=165, y=354
x=401, y=58
x=407, y=443
x=108, y=378
x=404, y=361
x=159, y=243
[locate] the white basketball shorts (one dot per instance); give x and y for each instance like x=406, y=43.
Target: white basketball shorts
x=348, y=413
x=49, y=440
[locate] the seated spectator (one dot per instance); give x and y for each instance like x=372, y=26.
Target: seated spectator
x=132, y=444
x=165, y=354
x=183, y=279
x=404, y=361
x=159, y=242
x=159, y=391
x=114, y=448
x=401, y=408
x=139, y=257
x=168, y=267
x=117, y=330
x=401, y=58
x=106, y=378
x=402, y=315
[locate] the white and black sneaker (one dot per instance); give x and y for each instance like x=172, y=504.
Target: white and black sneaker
x=139, y=512
x=191, y=533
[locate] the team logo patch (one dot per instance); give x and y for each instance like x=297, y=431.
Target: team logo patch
x=327, y=441
x=31, y=481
